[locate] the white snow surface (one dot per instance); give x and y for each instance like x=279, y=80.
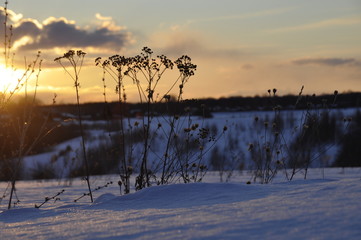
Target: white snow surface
x=325, y=206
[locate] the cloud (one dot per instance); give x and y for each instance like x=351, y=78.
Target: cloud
x=258, y=14
x=108, y=23
x=30, y=35
x=332, y=62
x=12, y=16
x=100, y=17
x=196, y=48
x=62, y=33
x=179, y=42
x=321, y=24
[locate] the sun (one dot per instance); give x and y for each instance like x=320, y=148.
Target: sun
x=9, y=79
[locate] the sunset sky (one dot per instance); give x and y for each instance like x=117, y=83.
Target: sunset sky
x=241, y=47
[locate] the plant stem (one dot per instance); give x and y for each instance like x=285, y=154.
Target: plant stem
x=82, y=137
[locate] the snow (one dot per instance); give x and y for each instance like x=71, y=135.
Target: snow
x=233, y=143
x=325, y=206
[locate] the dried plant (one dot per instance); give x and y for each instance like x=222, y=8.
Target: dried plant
x=75, y=60
x=47, y=199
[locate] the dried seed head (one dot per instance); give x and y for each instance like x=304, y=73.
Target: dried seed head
x=202, y=167
x=167, y=97
x=194, y=126
x=187, y=130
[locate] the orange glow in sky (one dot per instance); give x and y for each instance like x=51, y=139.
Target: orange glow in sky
x=241, y=47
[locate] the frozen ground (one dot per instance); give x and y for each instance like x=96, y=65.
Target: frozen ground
x=326, y=206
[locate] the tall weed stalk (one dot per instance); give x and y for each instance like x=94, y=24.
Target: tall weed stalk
x=116, y=66
x=146, y=72
x=75, y=59
x=24, y=122
x=18, y=120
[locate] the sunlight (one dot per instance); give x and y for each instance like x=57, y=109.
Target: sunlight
x=9, y=79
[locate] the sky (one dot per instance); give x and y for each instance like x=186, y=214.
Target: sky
x=241, y=48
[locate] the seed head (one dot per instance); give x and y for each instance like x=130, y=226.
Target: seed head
x=187, y=130
x=167, y=97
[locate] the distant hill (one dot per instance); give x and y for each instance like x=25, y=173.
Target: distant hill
x=206, y=106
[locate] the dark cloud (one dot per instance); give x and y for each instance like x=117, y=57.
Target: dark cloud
x=26, y=28
x=328, y=61
x=63, y=33
x=59, y=33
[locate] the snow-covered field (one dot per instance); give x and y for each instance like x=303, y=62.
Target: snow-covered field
x=233, y=144
x=325, y=206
